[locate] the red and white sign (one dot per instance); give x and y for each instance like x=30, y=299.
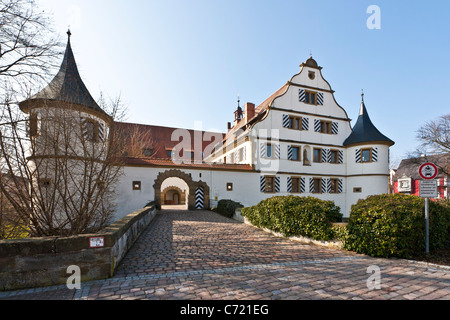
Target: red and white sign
x=96, y=242
x=428, y=171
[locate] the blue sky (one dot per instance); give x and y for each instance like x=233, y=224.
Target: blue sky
x=177, y=62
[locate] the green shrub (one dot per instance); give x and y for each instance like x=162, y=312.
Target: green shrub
x=340, y=232
x=394, y=225
x=227, y=207
x=295, y=216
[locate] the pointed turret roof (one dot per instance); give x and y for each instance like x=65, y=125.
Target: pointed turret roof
x=365, y=131
x=67, y=85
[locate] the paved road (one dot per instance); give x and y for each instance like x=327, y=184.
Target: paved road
x=197, y=255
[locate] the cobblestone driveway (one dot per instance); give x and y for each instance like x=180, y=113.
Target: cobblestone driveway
x=201, y=255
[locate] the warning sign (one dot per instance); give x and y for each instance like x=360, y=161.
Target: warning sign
x=428, y=189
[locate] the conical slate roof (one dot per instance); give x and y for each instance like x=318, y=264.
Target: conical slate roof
x=365, y=131
x=67, y=85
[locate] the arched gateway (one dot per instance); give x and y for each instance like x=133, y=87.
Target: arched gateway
x=198, y=191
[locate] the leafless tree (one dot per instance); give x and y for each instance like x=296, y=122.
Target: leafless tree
x=434, y=137
x=28, y=46
x=134, y=141
x=62, y=167
x=11, y=225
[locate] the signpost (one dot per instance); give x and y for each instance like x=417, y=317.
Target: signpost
x=428, y=189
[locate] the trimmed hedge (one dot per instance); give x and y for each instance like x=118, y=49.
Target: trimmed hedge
x=394, y=225
x=295, y=216
x=227, y=207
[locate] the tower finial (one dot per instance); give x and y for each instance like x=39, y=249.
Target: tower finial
x=68, y=32
x=363, y=107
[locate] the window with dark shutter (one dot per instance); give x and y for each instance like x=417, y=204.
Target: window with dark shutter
x=366, y=155
x=317, y=185
x=317, y=155
x=270, y=184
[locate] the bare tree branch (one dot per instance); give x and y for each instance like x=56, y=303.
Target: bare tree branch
x=63, y=183
x=435, y=135
x=27, y=45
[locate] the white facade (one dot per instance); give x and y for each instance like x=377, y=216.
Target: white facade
x=295, y=144
x=298, y=141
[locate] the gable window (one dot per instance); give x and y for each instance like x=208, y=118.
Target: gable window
x=366, y=155
x=310, y=97
x=325, y=127
x=295, y=123
x=317, y=155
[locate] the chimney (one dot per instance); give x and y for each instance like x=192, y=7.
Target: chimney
x=249, y=111
x=229, y=126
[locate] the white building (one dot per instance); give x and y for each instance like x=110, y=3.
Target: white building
x=298, y=141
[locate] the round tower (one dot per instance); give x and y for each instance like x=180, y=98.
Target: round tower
x=367, y=156
x=65, y=104
x=69, y=143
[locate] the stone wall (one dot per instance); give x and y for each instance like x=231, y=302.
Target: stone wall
x=36, y=262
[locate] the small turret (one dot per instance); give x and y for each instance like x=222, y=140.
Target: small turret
x=68, y=87
x=238, y=114
x=367, y=156
x=364, y=130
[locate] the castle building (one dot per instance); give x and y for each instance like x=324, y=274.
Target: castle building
x=299, y=141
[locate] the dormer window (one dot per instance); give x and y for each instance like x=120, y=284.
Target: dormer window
x=147, y=152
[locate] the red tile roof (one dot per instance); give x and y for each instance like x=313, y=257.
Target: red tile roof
x=159, y=139
x=153, y=162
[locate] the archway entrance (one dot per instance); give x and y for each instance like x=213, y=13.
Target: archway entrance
x=170, y=186
x=174, y=193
